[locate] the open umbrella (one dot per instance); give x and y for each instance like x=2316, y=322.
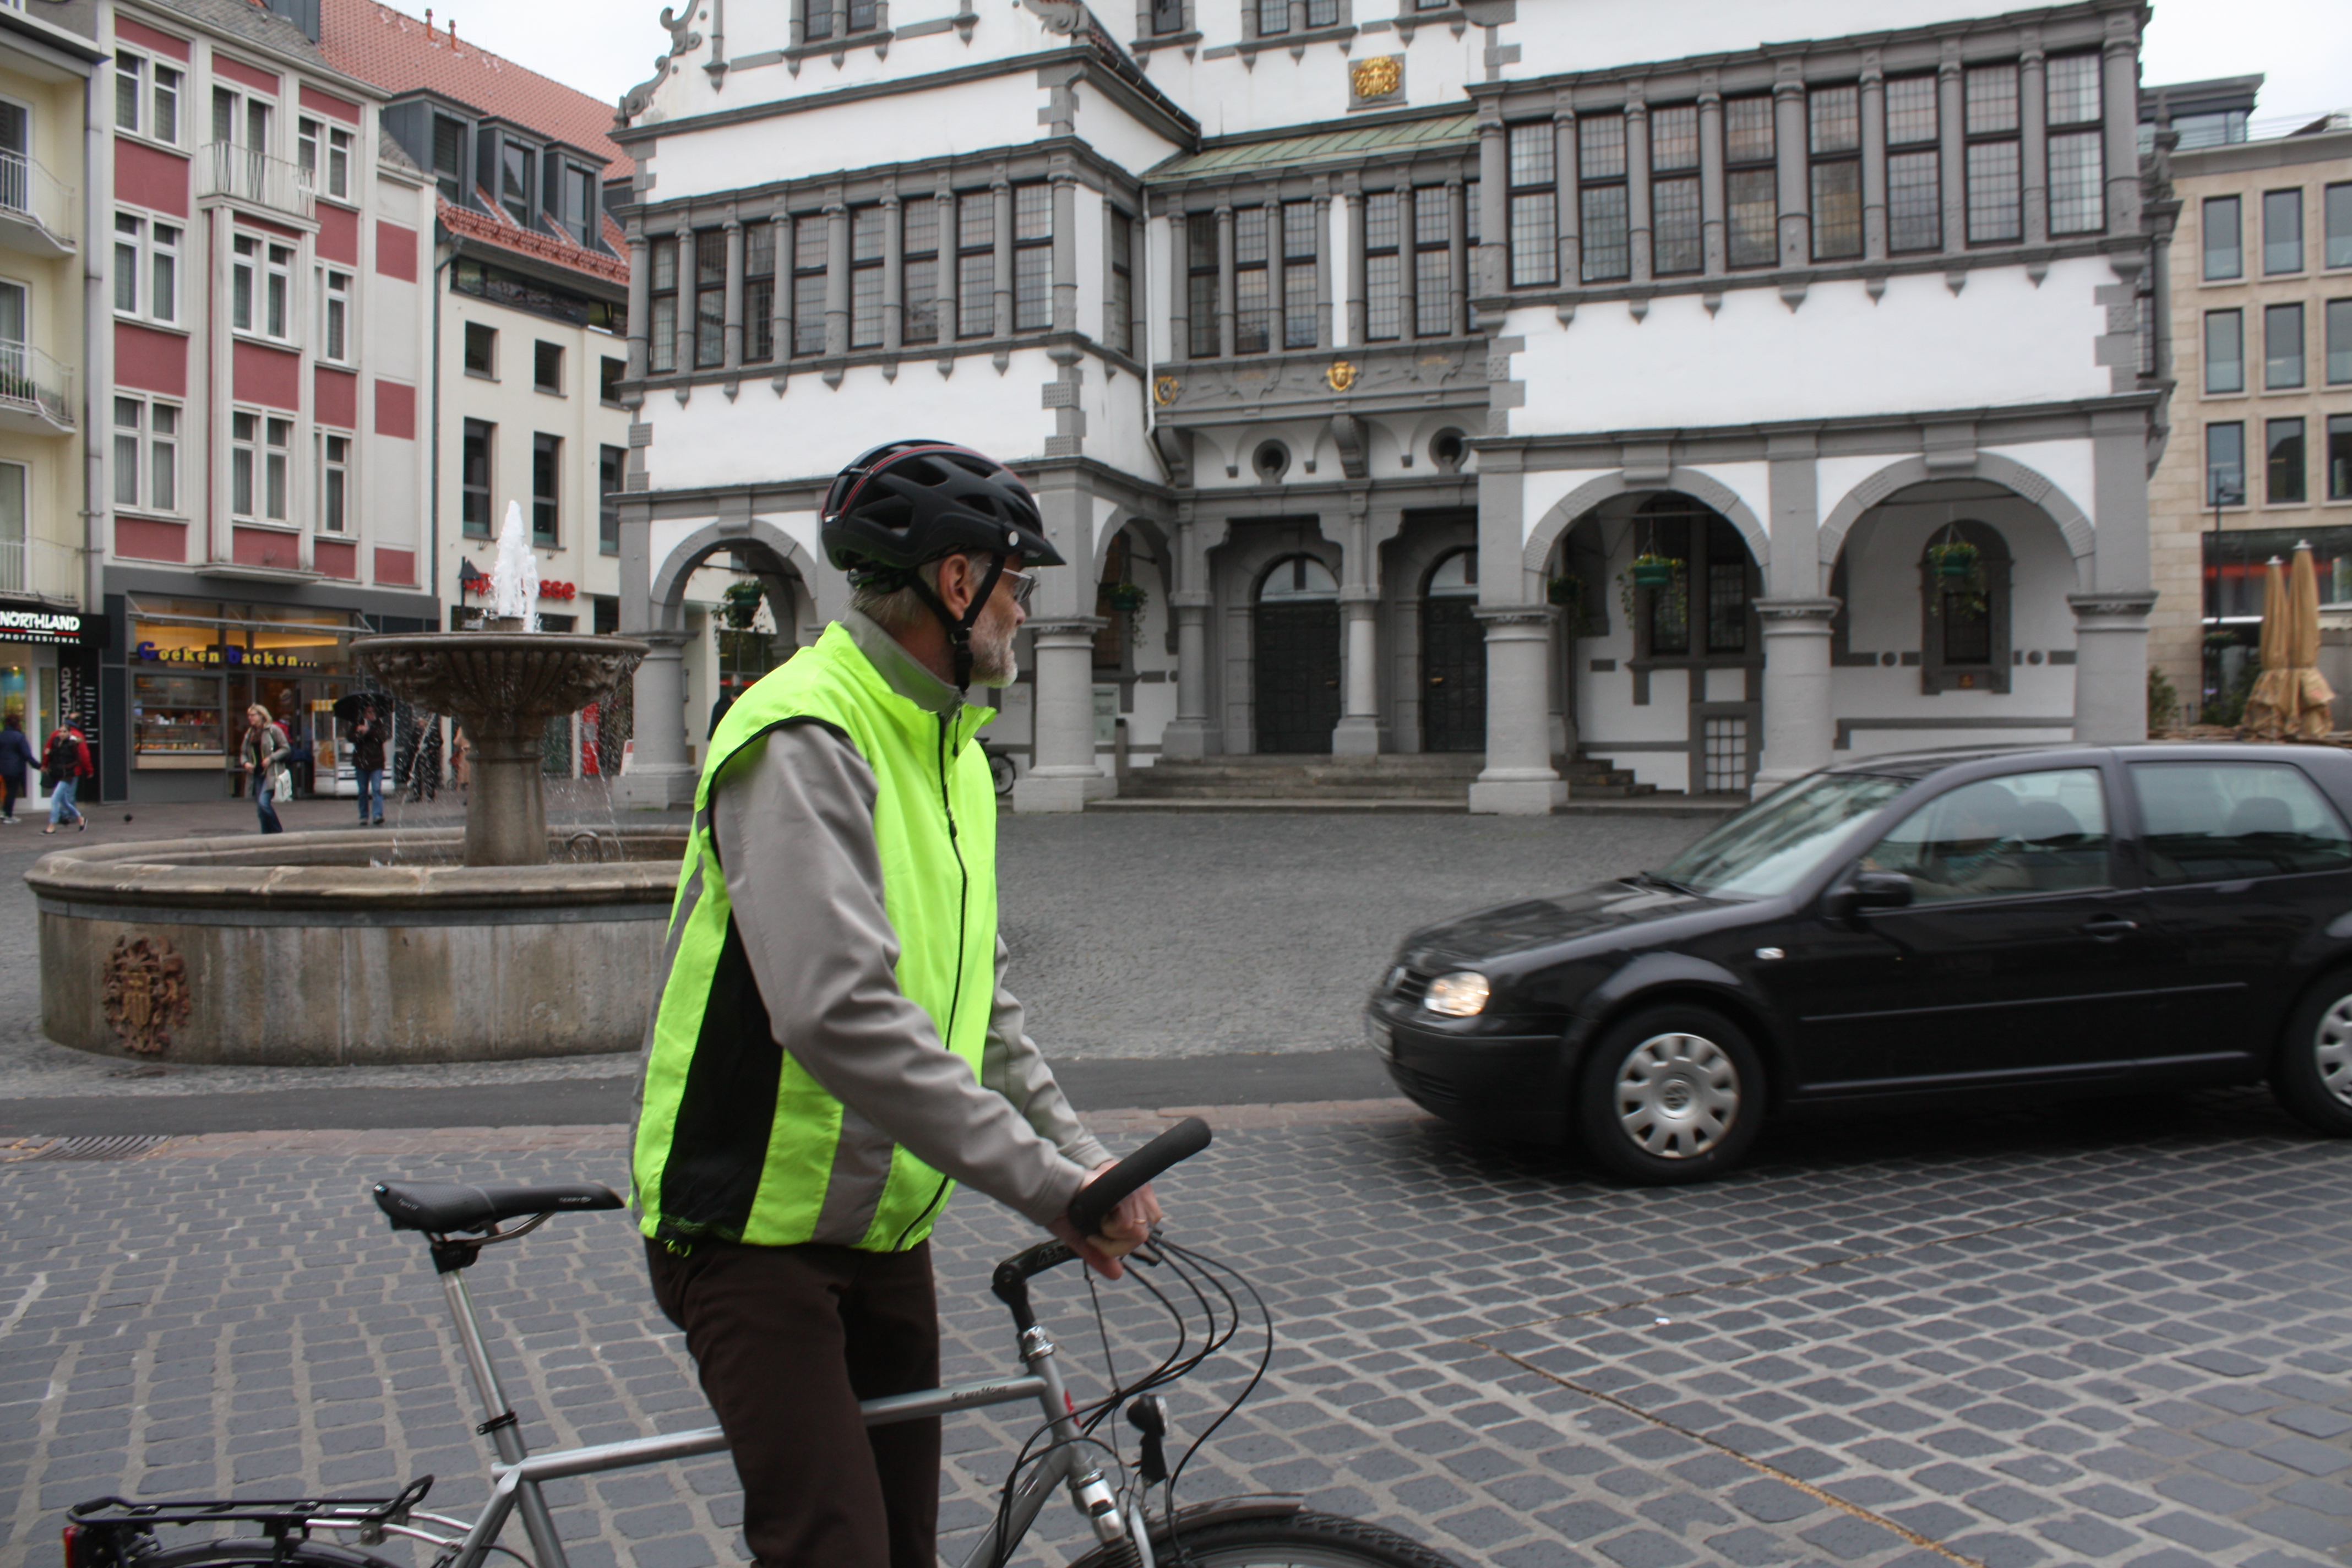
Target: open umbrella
x=348, y=709
x=2312, y=713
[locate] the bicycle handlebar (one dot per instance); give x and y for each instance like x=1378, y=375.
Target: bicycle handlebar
x=1098, y=1197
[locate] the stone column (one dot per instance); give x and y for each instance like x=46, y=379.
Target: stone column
x=683, y=339
x=1187, y=739
x=733, y=340
x=1002, y=327
x=2033, y=137
x=1798, y=728
x=1359, y=731
x=1323, y=339
x=1494, y=202
x=1952, y=159
x=660, y=774
x=1790, y=145
x=1065, y=252
x=1139, y=295
x=1062, y=775
x=1225, y=320
x=1457, y=258
x=1712, y=219
x=894, y=277
x=641, y=283
x=1570, y=215
x=1179, y=289
x=2111, y=665
x=1637, y=190
x=949, y=296
x=1519, y=780
x=1351, y=196
x=785, y=257
x=2119, y=102
x=1873, y=159
x=836, y=280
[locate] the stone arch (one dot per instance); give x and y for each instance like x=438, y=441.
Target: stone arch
x=2082, y=540
x=1699, y=487
x=666, y=595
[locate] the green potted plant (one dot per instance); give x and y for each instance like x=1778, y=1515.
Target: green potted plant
x=1652, y=569
x=1663, y=574
x=1567, y=591
x=1953, y=559
x=1128, y=596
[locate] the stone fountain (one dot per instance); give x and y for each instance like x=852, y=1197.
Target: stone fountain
x=497, y=941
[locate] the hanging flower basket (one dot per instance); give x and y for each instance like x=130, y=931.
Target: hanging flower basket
x=1954, y=561
x=1565, y=591
x=1653, y=571
x=1128, y=596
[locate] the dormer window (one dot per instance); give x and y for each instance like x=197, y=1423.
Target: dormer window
x=519, y=172
x=449, y=158
x=572, y=202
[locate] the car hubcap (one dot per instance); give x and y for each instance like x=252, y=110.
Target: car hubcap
x=2333, y=1050
x=1677, y=1095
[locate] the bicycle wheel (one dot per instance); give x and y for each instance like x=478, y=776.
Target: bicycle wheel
x=1296, y=1540
x=999, y=772
x=263, y=1554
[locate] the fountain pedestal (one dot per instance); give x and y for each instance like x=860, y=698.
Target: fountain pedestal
x=503, y=684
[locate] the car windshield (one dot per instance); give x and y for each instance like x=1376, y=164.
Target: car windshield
x=1768, y=848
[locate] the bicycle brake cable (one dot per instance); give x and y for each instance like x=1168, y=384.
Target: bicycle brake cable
x=1209, y=1270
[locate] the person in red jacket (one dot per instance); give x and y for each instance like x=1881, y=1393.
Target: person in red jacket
x=65, y=759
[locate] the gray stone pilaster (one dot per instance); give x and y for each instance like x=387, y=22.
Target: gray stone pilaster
x=2119, y=97
x=1519, y=779
x=836, y=280
x=1494, y=205
x=1063, y=775
x=1225, y=321
x=1794, y=571
x=2034, y=137
x=1323, y=339
x=1353, y=194
x=950, y=297
x=1002, y=194
x=894, y=275
x=1571, y=216
x=1180, y=286
x=2111, y=665
x=1637, y=184
x=683, y=339
x=785, y=256
x=1951, y=136
x=641, y=282
x=1065, y=252
x=2119, y=501
x=1791, y=144
x=1711, y=178
x=1874, y=158
x=732, y=344
x=660, y=774
x=1457, y=258
x=1798, y=729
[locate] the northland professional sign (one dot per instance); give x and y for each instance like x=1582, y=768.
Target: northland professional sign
x=61, y=629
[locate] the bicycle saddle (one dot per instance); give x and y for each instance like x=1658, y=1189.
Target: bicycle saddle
x=445, y=1206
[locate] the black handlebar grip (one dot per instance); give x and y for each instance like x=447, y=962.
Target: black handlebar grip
x=1098, y=1197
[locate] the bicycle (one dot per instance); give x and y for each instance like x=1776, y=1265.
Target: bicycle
x=457, y=1222
x=1000, y=772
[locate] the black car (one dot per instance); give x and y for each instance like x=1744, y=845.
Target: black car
x=1991, y=923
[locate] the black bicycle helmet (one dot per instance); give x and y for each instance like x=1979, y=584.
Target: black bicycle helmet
x=907, y=503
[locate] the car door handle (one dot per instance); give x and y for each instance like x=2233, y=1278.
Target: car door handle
x=2107, y=927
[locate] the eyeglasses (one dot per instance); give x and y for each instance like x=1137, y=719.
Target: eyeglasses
x=1023, y=584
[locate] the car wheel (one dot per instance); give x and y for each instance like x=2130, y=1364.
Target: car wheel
x=1671, y=1094
x=2313, y=1076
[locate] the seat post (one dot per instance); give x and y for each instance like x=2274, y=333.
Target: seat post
x=499, y=1423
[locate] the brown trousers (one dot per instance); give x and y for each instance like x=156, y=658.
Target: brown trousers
x=787, y=1341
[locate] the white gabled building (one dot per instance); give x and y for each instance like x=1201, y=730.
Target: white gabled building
x=1358, y=348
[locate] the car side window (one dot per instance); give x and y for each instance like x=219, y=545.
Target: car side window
x=2026, y=833
x=2225, y=822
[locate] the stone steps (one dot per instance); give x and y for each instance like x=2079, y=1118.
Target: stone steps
x=1411, y=779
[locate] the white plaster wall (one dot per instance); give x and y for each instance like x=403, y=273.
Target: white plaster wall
x=1594, y=35
x=2065, y=464
x=961, y=117
x=1118, y=135
x=1229, y=97
x=2000, y=341
x=812, y=429
x=666, y=533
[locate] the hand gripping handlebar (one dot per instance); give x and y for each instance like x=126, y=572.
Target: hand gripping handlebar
x=1098, y=1197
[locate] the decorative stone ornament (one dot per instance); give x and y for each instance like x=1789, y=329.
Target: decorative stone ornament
x=1340, y=376
x=1380, y=80
x=147, y=993
x=1167, y=389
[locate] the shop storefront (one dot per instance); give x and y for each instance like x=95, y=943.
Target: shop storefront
x=48, y=669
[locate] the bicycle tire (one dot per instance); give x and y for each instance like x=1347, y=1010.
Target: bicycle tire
x=263, y=1554
x=1301, y=1540
x=1000, y=772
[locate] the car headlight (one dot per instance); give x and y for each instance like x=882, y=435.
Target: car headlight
x=1461, y=995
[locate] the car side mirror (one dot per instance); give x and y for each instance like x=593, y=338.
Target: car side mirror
x=1867, y=891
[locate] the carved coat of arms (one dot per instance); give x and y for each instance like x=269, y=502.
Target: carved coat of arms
x=1167, y=389
x=147, y=993
x=1377, y=77
x=1340, y=376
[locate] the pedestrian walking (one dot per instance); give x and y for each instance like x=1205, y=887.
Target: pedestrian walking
x=64, y=762
x=834, y=1049
x=16, y=762
x=263, y=752
x=367, y=763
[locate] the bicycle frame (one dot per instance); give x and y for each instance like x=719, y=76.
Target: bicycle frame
x=517, y=1476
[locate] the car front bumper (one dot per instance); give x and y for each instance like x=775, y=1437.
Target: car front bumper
x=1505, y=1086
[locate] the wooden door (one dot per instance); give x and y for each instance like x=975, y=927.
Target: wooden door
x=1298, y=676
x=1453, y=676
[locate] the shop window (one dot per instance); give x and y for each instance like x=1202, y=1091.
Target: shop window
x=1965, y=615
x=474, y=479
x=546, y=489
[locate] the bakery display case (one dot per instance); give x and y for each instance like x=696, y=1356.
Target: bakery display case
x=176, y=721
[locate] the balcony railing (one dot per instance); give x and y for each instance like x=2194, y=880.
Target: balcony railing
x=30, y=193
x=243, y=174
x=33, y=383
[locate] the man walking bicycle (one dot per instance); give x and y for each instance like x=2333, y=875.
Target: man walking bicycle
x=835, y=1048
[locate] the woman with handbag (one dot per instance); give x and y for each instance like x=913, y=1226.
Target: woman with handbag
x=263, y=751
x=64, y=762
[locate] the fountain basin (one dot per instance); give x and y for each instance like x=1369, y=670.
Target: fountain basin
x=325, y=949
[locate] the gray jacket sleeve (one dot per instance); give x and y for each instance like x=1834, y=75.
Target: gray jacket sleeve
x=1014, y=1068
x=794, y=825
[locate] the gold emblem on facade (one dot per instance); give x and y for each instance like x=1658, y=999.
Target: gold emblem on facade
x=147, y=993
x=1377, y=77
x=1340, y=376
x=1167, y=389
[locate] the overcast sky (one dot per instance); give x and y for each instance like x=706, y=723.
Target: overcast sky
x=2305, y=46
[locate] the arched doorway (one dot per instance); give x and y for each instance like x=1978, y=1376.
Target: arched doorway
x=1294, y=627
x=1452, y=657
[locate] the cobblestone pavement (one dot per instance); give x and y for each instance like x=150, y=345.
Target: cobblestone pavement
x=1132, y=936
x=2112, y=1335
